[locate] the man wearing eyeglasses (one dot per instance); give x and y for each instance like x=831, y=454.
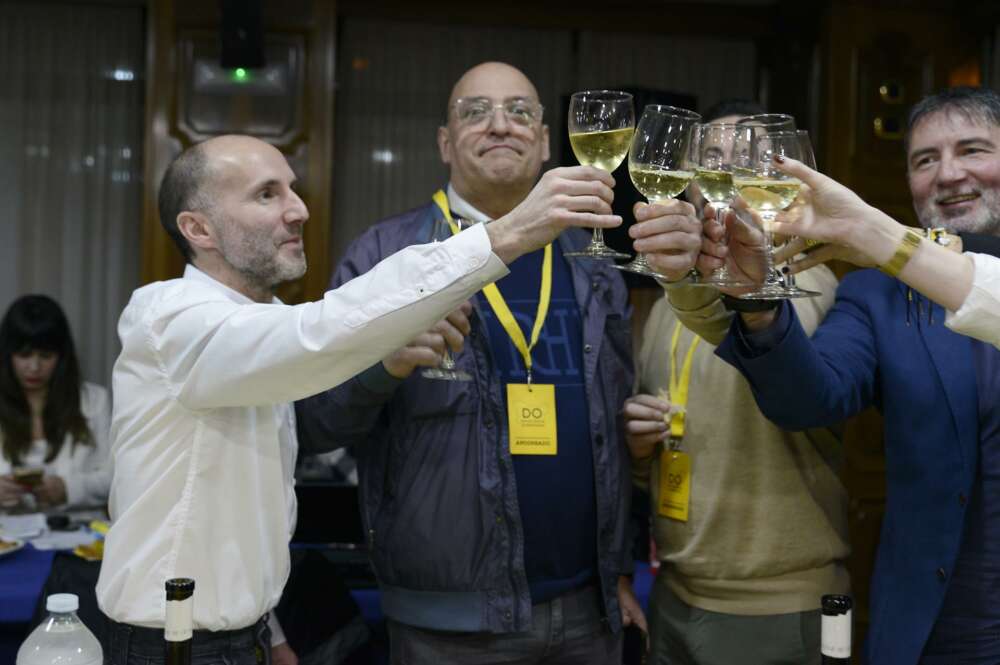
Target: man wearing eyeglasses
x=491, y=545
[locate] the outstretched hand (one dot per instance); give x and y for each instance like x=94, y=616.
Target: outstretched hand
x=563, y=198
x=832, y=222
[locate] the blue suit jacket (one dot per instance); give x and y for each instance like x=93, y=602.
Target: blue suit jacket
x=877, y=346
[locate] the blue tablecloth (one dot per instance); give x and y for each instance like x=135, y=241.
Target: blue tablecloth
x=22, y=576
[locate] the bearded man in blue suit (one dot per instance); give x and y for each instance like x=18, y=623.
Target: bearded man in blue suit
x=937, y=575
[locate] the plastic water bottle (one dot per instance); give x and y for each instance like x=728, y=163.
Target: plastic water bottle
x=61, y=639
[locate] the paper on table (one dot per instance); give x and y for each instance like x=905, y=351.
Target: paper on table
x=64, y=540
x=23, y=526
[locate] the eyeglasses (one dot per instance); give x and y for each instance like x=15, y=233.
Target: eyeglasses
x=472, y=111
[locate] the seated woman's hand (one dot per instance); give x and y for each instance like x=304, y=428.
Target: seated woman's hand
x=51, y=491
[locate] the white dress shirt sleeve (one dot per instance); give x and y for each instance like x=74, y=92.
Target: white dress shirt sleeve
x=219, y=353
x=979, y=315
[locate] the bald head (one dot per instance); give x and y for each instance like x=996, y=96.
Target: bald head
x=493, y=76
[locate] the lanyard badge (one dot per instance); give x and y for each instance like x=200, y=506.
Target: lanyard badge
x=531, y=407
x=675, y=464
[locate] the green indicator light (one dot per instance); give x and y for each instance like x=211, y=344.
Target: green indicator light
x=240, y=75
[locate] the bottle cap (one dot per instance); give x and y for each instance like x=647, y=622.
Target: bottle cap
x=62, y=602
x=834, y=604
x=179, y=588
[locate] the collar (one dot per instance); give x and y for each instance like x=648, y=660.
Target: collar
x=462, y=208
x=193, y=273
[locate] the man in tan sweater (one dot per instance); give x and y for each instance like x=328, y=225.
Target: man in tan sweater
x=765, y=533
x=750, y=521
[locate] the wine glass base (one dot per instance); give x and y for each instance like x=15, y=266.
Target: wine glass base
x=639, y=269
x=445, y=374
x=597, y=251
x=725, y=282
x=779, y=292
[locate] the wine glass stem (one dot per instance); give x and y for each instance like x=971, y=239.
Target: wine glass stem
x=769, y=276
x=598, y=238
x=447, y=362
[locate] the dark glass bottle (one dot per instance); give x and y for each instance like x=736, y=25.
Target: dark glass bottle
x=179, y=628
x=835, y=630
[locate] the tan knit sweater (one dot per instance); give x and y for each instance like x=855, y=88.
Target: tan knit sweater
x=767, y=527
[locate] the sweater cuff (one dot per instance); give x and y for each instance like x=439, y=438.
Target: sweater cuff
x=377, y=380
x=74, y=489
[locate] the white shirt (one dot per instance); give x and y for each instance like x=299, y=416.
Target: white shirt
x=979, y=315
x=83, y=467
x=203, y=436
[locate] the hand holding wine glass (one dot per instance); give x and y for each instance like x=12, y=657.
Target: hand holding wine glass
x=767, y=190
x=600, y=126
x=657, y=161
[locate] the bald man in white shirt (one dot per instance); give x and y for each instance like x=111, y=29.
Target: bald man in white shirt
x=203, y=430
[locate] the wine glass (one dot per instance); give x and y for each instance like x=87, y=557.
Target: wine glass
x=600, y=127
x=711, y=156
x=771, y=122
x=805, y=146
x=768, y=191
x=446, y=369
x=656, y=161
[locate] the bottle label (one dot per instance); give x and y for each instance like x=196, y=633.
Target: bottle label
x=179, y=620
x=836, y=635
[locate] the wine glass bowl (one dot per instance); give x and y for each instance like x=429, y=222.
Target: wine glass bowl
x=711, y=155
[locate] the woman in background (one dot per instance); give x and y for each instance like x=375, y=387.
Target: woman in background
x=53, y=425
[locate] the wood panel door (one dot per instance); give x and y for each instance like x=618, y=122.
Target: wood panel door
x=288, y=103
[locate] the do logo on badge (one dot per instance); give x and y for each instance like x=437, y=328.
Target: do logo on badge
x=531, y=413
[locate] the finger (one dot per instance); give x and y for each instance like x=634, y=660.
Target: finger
x=647, y=400
x=640, y=621
x=672, y=266
x=590, y=219
x=661, y=208
x=423, y=356
x=586, y=188
x=453, y=337
x=664, y=224
x=586, y=173
x=797, y=169
x=790, y=249
x=814, y=258
x=642, y=427
x=672, y=242
x=586, y=204
x=459, y=320
x=431, y=340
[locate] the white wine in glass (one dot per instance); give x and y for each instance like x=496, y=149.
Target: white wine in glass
x=656, y=162
x=768, y=191
x=600, y=126
x=713, y=147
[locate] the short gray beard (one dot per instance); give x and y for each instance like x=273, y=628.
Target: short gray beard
x=248, y=253
x=985, y=221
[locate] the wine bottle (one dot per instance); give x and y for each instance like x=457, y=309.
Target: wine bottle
x=179, y=625
x=835, y=630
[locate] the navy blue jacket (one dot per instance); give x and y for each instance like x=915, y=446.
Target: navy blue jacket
x=438, y=494
x=877, y=346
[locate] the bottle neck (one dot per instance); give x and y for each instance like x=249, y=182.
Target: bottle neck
x=62, y=621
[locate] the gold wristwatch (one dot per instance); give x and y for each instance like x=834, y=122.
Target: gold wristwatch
x=904, y=252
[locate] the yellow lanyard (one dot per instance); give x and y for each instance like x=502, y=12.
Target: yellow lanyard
x=499, y=305
x=679, y=389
